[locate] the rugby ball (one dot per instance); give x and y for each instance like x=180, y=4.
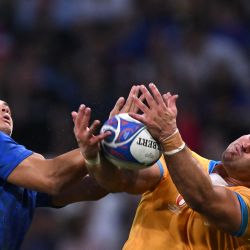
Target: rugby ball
x=130, y=145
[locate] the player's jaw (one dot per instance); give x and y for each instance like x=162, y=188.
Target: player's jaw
x=238, y=149
x=5, y=126
x=6, y=122
x=236, y=158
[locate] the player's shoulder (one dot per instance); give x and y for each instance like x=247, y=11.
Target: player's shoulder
x=242, y=190
x=200, y=158
x=206, y=163
x=38, y=156
x=5, y=137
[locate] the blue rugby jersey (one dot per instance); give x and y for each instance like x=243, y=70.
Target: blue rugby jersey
x=17, y=204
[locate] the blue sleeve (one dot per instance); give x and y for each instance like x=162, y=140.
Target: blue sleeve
x=212, y=165
x=11, y=154
x=159, y=164
x=244, y=216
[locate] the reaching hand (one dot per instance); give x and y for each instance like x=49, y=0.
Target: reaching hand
x=159, y=115
x=127, y=106
x=89, y=143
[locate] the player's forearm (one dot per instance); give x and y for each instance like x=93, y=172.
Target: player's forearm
x=124, y=180
x=49, y=176
x=66, y=169
x=108, y=176
x=85, y=190
x=190, y=179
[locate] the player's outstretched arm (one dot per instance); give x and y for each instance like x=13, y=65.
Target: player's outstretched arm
x=125, y=180
x=64, y=178
x=106, y=174
x=218, y=204
x=50, y=176
x=86, y=189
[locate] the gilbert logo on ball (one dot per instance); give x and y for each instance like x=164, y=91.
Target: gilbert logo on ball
x=130, y=144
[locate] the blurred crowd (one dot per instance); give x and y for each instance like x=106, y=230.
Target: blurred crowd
x=57, y=54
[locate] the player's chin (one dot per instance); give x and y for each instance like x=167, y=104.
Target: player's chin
x=6, y=129
x=227, y=156
x=230, y=159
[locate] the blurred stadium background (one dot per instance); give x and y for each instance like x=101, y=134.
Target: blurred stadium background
x=56, y=54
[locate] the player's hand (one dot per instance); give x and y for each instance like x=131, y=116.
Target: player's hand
x=88, y=142
x=126, y=106
x=159, y=115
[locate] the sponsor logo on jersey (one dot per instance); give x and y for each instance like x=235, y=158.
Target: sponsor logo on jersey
x=180, y=202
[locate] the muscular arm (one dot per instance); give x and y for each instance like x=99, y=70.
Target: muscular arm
x=125, y=180
x=218, y=204
x=107, y=175
x=86, y=189
x=49, y=176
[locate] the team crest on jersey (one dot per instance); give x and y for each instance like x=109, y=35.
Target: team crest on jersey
x=180, y=202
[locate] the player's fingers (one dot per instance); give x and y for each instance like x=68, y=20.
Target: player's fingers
x=148, y=97
x=172, y=101
x=166, y=95
x=93, y=129
x=100, y=137
x=156, y=94
x=118, y=106
x=129, y=100
x=85, y=118
x=79, y=116
x=139, y=117
x=73, y=115
x=140, y=105
x=142, y=97
x=135, y=109
x=166, y=98
x=136, y=93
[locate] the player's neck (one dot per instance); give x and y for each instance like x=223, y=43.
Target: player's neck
x=219, y=169
x=234, y=182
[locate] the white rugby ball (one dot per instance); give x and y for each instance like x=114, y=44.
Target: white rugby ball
x=130, y=144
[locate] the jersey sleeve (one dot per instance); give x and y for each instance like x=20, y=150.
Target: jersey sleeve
x=243, y=195
x=206, y=164
x=161, y=163
x=11, y=154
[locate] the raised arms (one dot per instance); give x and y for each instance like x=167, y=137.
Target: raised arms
x=49, y=175
x=106, y=174
x=218, y=204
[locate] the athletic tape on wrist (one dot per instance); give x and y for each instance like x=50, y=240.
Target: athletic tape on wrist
x=175, y=151
x=170, y=136
x=173, y=144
